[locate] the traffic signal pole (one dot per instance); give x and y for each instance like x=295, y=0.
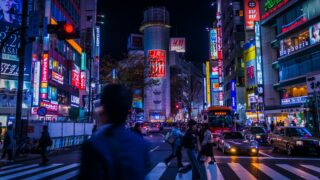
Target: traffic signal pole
x=21, y=55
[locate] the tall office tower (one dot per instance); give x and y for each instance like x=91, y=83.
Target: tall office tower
x=156, y=29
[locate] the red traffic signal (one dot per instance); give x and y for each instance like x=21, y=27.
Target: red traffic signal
x=68, y=28
x=63, y=30
x=177, y=106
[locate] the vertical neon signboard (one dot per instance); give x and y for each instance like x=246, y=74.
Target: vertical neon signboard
x=213, y=44
x=208, y=83
x=233, y=95
x=75, y=76
x=36, y=84
x=83, y=80
x=252, y=13
x=44, y=76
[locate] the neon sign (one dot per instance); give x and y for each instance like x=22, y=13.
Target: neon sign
x=294, y=24
x=44, y=76
x=273, y=5
x=83, y=80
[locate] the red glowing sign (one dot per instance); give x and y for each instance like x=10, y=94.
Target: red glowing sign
x=250, y=72
x=83, y=80
x=157, y=63
x=44, y=67
x=294, y=24
x=75, y=76
x=252, y=13
x=219, y=43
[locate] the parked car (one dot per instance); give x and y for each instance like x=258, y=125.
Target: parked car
x=257, y=133
x=293, y=140
x=236, y=143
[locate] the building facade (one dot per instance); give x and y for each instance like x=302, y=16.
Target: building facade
x=156, y=30
x=290, y=43
x=233, y=33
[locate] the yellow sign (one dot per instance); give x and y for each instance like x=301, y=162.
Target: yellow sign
x=208, y=83
x=250, y=54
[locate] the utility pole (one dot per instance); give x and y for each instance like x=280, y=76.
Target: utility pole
x=21, y=54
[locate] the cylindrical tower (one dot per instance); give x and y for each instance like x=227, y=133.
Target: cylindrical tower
x=156, y=29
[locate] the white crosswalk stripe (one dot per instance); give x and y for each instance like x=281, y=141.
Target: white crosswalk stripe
x=241, y=172
x=67, y=171
x=297, y=172
x=269, y=172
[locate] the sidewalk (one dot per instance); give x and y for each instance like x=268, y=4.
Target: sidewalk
x=35, y=156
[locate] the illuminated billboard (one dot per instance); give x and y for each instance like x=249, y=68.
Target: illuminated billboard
x=157, y=63
x=208, y=83
x=83, y=80
x=36, y=84
x=56, y=77
x=233, y=95
x=252, y=13
x=44, y=76
x=250, y=60
x=75, y=76
x=213, y=44
x=178, y=44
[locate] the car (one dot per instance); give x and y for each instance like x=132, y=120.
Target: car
x=257, y=133
x=145, y=129
x=293, y=140
x=235, y=143
x=154, y=127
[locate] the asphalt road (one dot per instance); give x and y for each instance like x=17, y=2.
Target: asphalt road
x=267, y=165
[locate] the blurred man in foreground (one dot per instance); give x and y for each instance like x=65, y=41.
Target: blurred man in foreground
x=114, y=152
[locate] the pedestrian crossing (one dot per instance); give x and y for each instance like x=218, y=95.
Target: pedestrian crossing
x=219, y=171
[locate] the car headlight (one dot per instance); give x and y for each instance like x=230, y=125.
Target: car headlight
x=258, y=136
x=299, y=143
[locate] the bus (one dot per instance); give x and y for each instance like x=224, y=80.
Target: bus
x=220, y=119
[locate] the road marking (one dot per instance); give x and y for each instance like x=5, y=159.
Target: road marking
x=265, y=154
x=261, y=158
x=152, y=150
x=269, y=172
x=297, y=172
x=215, y=172
x=55, y=171
x=68, y=175
x=314, y=168
x=241, y=172
x=157, y=171
x=18, y=169
x=11, y=166
x=29, y=171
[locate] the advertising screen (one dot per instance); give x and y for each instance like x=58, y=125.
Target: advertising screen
x=44, y=76
x=83, y=80
x=252, y=13
x=57, y=77
x=178, y=44
x=250, y=60
x=157, y=63
x=314, y=34
x=294, y=43
x=75, y=76
x=213, y=44
x=36, y=84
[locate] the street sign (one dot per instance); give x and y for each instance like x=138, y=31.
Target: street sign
x=42, y=111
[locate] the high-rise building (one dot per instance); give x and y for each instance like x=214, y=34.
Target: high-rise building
x=156, y=30
x=233, y=33
x=290, y=54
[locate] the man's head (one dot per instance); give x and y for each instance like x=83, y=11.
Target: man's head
x=116, y=101
x=192, y=124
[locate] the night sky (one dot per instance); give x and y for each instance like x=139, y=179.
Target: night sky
x=189, y=18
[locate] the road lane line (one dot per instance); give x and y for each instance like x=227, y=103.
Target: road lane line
x=68, y=175
x=269, y=172
x=11, y=166
x=157, y=171
x=18, y=169
x=152, y=150
x=55, y=171
x=297, y=172
x=265, y=154
x=215, y=172
x=241, y=172
x=29, y=171
x=314, y=168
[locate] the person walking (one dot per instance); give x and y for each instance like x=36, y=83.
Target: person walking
x=8, y=143
x=176, y=146
x=206, y=145
x=137, y=129
x=190, y=141
x=115, y=152
x=44, y=142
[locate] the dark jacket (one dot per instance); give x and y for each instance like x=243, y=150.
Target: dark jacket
x=190, y=139
x=114, y=152
x=45, y=140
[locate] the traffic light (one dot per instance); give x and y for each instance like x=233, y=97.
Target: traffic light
x=177, y=106
x=63, y=30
